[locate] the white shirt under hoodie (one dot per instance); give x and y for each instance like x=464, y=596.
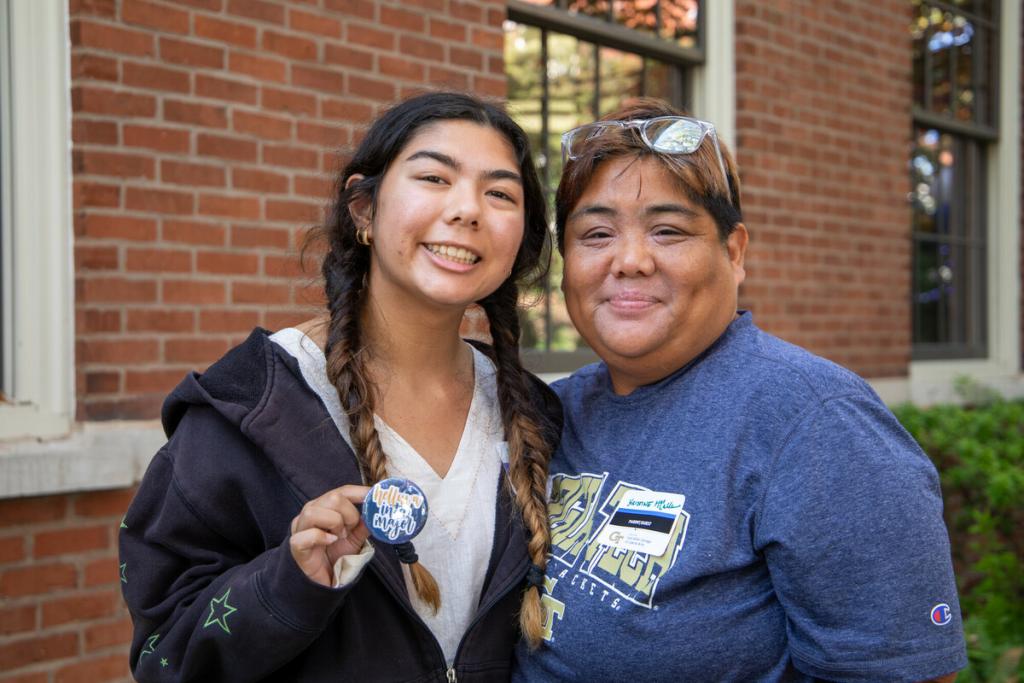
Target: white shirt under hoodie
x=455, y=544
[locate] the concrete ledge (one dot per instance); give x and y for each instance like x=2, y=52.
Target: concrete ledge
x=96, y=455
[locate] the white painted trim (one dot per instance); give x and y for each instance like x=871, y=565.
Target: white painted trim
x=41, y=383
x=97, y=455
x=931, y=381
x=714, y=84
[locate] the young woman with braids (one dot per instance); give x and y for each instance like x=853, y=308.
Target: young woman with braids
x=244, y=556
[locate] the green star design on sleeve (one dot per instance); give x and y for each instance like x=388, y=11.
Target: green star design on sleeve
x=124, y=569
x=150, y=646
x=123, y=525
x=163, y=661
x=220, y=609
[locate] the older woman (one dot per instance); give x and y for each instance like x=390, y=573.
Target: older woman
x=724, y=506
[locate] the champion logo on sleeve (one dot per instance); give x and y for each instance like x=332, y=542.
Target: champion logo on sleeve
x=941, y=614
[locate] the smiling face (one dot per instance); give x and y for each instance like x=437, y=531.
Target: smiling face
x=647, y=281
x=449, y=218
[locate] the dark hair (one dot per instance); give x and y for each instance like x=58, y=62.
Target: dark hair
x=697, y=174
x=344, y=269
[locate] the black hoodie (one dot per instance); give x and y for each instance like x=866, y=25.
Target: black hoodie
x=206, y=568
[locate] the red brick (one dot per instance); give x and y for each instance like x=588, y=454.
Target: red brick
x=212, y=5
x=38, y=677
x=224, y=147
x=93, y=194
x=314, y=23
x=328, y=81
x=114, y=164
x=156, y=138
x=85, y=607
x=227, y=263
x=157, y=261
x=229, y=206
x=100, y=8
x=12, y=549
x=227, y=320
x=150, y=15
x=401, y=68
x=21, y=653
x=225, y=31
x=488, y=39
x=15, y=511
x=94, y=320
x=346, y=55
x=151, y=77
x=194, y=350
x=278, y=320
x=321, y=187
x=190, y=53
x=307, y=295
x=261, y=293
x=100, y=226
x=363, y=34
x=126, y=351
x=193, y=292
x=468, y=11
x=468, y=58
x=36, y=579
x=261, y=181
x=257, y=9
x=291, y=101
x=115, y=290
x=371, y=87
x=103, y=571
x=318, y=134
x=96, y=258
x=261, y=125
x=110, y=503
x=346, y=110
x=402, y=19
x=439, y=76
x=289, y=46
x=359, y=8
x=184, y=173
x=105, y=668
x=226, y=89
x=287, y=267
x=85, y=66
x=102, y=383
x=245, y=236
x=447, y=30
x=292, y=211
x=106, y=634
x=263, y=68
x=422, y=47
x=192, y=232
x=149, y=381
x=493, y=87
x=84, y=131
x=292, y=157
x=17, y=619
x=101, y=101
x=86, y=33
x=207, y=115
x=158, y=201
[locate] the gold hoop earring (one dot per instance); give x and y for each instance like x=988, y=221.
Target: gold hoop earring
x=363, y=237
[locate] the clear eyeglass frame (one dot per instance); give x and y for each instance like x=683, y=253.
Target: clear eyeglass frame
x=663, y=134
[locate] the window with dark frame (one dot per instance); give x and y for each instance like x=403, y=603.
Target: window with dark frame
x=568, y=62
x=955, y=68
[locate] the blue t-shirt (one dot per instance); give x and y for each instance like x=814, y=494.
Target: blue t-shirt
x=787, y=526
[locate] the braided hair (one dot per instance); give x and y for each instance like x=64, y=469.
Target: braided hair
x=345, y=270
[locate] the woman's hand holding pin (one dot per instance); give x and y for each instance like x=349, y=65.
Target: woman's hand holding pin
x=327, y=528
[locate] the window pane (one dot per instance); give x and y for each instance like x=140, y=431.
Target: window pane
x=638, y=15
x=622, y=76
x=679, y=21
x=949, y=243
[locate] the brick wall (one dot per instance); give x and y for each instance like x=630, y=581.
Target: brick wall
x=62, y=619
x=823, y=118
x=205, y=138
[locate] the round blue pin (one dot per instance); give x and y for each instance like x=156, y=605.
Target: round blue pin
x=395, y=510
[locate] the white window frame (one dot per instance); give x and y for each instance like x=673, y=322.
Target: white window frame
x=932, y=381
x=38, y=272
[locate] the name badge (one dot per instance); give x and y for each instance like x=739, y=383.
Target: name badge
x=643, y=522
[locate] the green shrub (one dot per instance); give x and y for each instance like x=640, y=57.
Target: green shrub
x=979, y=452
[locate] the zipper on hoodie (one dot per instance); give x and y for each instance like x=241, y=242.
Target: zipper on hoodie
x=517, y=576
x=451, y=674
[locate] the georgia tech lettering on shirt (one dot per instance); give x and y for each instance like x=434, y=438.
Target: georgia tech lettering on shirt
x=579, y=516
